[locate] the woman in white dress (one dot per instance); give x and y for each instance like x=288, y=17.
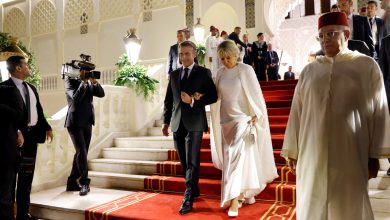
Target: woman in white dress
x=241, y=144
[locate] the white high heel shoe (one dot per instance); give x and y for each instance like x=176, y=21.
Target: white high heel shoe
x=250, y=200
x=233, y=210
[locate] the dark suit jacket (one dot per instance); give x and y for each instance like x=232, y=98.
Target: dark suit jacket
x=194, y=118
x=234, y=37
x=256, y=51
x=274, y=59
x=11, y=113
x=288, y=76
x=362, y=31
x=360, y=46
x=384, y=62
x=380, y=24
x=80, y=102
x=42, y=125
x=172, y=58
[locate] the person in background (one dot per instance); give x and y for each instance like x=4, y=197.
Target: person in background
x=272, y=60
x=241, y=144
x=224, y=36
x=385, y=5
x=384, y=62
x=235, y=36
x=377, y=26
x=11, y=113
x=349, y=135
x=259, y=54
x=289, y=74
x=79, y=121
x=245, y=54
x=35, y=129
x=334, y=8
x=211, y=51
x=173, y=57
x=360, y=28
x=363, y=11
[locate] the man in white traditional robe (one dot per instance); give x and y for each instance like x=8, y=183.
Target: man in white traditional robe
x=211, y=51
x=336, y=128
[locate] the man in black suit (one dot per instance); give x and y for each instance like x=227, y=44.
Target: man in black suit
x=359, y=25
x=34, y=128
x=79, y=120
x=173, y=57
x=289, y=74
x=377, y=25
x=384, y=63
x=187, y=116
x=11, y=112
x=272, y=60
x=235, y=36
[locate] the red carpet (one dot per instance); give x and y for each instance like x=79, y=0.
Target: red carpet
x=275, y=202
x=144, y=205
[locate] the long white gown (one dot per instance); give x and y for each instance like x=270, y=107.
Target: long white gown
x=248, y=161
x=339, y=118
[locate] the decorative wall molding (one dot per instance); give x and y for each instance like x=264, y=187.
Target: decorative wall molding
x=74, y=10
x=282, y=7
x=114, y=9
x=15, y=23
x=159, y=4
x=250, y=17
x=43, y=18
x=190, y=14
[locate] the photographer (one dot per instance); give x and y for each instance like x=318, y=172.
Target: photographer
x=79, y=120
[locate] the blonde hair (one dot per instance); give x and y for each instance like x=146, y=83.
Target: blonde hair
x=228, y=48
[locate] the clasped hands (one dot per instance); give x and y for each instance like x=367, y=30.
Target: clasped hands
x=188, y=99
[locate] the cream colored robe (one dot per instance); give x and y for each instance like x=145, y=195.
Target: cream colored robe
x=260, y=156
x=339, y=118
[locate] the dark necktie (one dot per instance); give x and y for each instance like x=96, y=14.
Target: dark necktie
x=27, y=99
x=370, y=20
x=183, y=81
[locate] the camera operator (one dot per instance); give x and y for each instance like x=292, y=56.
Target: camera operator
x=79, y=121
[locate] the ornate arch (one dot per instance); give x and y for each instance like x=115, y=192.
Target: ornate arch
x=78, y=12
x=275, y=12
x=43, y=18
x=15, y=23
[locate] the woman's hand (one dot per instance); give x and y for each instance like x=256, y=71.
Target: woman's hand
x=292, y=164
x=253, y=120
x=197, y=96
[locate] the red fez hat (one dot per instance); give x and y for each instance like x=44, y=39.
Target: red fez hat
x=333, y=18
x=223, y=32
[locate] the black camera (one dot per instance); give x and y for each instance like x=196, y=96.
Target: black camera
x=72, y=69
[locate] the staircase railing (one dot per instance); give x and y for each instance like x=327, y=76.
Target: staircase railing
x=120, y=113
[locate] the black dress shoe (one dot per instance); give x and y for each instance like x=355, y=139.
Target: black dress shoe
x=388, y=172
x=84, y=190
x=186, y=206
x=73, y=187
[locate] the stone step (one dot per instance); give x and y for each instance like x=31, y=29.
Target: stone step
x=158, y=142
x=382, y=182
x=123, y=166
x=380, y=200
x=148, y=154
x=116, y=180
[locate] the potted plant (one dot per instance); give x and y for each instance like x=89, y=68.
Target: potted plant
x=200, y=53
x=35, y=78
x=134, y=76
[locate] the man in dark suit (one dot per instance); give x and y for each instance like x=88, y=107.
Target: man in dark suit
x=289, y=74
x=384, y=63
x=235, y=36
x=11, y=112
x=377, y=25
x=359, y=25
x=173, y=57
x=272, y=60
x=187, y=116
x=34, y=128
x=79, y=120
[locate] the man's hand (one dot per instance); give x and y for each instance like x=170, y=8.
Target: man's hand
x=210, y=59
x=164, y=130
x=292, y=164
x=49, y=136
x=186, y=98
x=373, y=167
x=197, y=96
x=253, y=120
x=94, y=81
x=20, y=140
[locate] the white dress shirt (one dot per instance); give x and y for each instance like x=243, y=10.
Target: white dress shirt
x=33, y=100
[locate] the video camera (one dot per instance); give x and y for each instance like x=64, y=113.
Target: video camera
x=72, y=69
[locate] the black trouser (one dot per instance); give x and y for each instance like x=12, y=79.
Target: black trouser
x=24, y=174
x=187, y=145
x=272, y=73
x=260, y=67
x=81, y=138
x=7, y=175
